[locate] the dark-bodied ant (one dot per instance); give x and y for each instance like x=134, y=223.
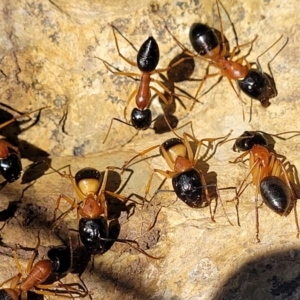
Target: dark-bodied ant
x=188, y=182
x=92, y=211
x=41, y=274
x=269, y=175
x=10, y=158
x=212, y=46
x=147, y=61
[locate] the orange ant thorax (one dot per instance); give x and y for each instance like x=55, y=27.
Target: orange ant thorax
x=182, y=164
x=91, y=208
x=38, y=274
x=259, y=156
x=143, y=95
x=231, y=69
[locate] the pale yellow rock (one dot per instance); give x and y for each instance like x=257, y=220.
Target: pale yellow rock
x=49, y=53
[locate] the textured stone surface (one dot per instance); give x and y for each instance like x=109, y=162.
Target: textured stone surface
x=48, y=57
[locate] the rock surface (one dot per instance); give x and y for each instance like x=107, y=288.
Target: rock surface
x=49, y=57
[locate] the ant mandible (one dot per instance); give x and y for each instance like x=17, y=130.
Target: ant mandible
x=212, y=46
x=92, y=210
x=188, y=182
x=56, y=266
x=147, y=61
x=10, y=157
x=269, y=176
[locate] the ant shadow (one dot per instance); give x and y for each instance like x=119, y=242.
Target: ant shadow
x=273, y=277
x=178, y=73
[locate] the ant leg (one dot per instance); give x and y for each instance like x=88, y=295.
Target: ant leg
x=186, y=51
x=121, y=73
x=22, y=116
x=238, y=47
x=33, y=256
x=118, y=49
x=240, y=157
x=101, y=197
x=172, y=95
x=207, y=75
x=80, y=195
x=194, y=158
x=70, y=201
x=126, y=163
x=128, y=101
x=164, y=173
x=74, y=292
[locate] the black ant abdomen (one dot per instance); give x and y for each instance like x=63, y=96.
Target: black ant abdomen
x=259, y=86
x=11, y=167
x=94, y=234
x=276, y=194
x=141, y=119
x=248, y=139
x=61, y=259
x=204, y=40
x=188, y=187
x=87, y=173
x=148, y=55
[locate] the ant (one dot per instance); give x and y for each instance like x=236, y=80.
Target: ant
x=10, y=157
x=188, y=182
x=269, y=175
x=212, y=46
x=56, y=266
x=92, y=210
x=147, y=61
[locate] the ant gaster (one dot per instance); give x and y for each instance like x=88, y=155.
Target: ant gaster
x=269, y=176
x=56, y=266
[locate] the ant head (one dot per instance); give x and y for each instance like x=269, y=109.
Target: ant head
x=148, y=55
x=259, y=86
x=11, y=167
x=248, y=139
x=88, y=180
x=93, y=234
x=61, y=259
x=174, y=148
x=141, y=119
x=204, y=40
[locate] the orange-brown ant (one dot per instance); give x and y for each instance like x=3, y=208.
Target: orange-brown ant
x=10, y=158
x=269, y=176
x=147, y=61
x=188, y=182
x=92, y=210
x=212, y=46
x=56, y=266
